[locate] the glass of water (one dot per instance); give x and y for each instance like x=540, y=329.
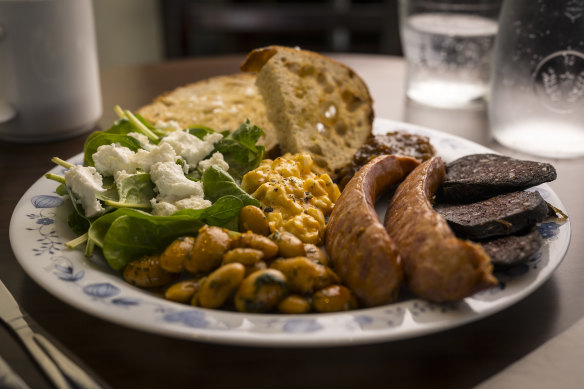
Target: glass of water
x=536, y=102
x=447, y=46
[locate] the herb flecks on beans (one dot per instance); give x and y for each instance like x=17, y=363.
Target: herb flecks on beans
x=247, y=272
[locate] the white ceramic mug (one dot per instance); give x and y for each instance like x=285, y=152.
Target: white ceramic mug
x=49, y=74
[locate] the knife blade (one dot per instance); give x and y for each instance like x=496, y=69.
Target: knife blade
x=61, y=370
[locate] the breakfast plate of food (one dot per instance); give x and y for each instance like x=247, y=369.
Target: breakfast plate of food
x=270, y=208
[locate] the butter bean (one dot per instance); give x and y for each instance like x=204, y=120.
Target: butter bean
x=315, y=254
x=303, y=275
x=183, y=292
x=252, y=218
x=208, y=249
x=146, y=272
x=175, y=255
x=334, y=298
x=258, y=242
x=220, y=285
x=261, y=291
x=294, y=304
x=243, y=255
x=288, y=244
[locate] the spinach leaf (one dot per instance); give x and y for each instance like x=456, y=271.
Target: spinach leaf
x=61, y=190
x=200, y=131
x=127, y=234
x=240, y=150
x=99, y=227
x=77, y=220
x=132, y=236
x=78, y=224
x=158, y=131
x=121, y=126
x=77, y=204
x=134, y=191
x=223, y=213
x=218, y=183
x=111, y=191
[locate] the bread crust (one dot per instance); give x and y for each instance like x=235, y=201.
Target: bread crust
x=221, y=103
x=318, y=105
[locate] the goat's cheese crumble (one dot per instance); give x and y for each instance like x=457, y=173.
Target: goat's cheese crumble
x=167, y=163
x=108, y=159
x=215, y=160
x=172, y=184
x=190, y=147
x=85, y=182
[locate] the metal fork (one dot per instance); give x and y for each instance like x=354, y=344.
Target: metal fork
x=63, y=372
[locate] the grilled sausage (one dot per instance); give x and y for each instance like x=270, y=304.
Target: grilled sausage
x=360, y=249
x=437, y=265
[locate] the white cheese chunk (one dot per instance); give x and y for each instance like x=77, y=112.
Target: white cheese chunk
x=215, y=160
x=190, y=147
x=143, y=139
x=113, y=157
x=171, y=125
x=172, y=184
x=120, y=176
x=164, y=208
x=85, y=182
x=193, y=202
x=144, y=159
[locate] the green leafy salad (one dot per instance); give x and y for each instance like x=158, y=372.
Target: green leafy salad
x=143, y=185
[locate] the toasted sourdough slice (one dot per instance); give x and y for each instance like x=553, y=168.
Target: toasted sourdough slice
x=221, y=103
x=318, y=105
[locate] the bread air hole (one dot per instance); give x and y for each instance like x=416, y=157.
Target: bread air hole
x=320, y=162
x=293, y=67
x=341, y=127
x=351, y=101
x=315, y=148
x=299, y=92
x=307, y=71
x=324, y=83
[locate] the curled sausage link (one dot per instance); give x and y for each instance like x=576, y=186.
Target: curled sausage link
x=359, y=247
x=437, y=265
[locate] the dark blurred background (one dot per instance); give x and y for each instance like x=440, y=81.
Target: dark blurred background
x=134, y=31
x=202, y=27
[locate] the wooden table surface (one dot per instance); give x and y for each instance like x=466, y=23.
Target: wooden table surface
x=127, y=358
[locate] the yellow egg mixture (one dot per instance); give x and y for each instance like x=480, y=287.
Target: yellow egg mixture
x=293, y=197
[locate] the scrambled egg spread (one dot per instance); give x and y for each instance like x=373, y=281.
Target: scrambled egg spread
x=293, y=197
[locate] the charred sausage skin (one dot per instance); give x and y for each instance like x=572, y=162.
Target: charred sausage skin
x=360, y=249
x=437, y=265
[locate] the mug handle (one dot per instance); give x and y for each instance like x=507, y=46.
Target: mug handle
x=7, y=112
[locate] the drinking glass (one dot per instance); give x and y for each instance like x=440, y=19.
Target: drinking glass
x=537, y=96
x=447, y=46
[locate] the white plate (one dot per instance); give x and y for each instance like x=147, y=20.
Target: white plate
x=38, y=230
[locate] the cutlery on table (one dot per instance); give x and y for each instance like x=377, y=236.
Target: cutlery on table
x=62, y=371
x=9, y=379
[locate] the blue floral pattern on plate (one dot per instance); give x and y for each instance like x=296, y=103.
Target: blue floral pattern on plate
x=39, y=231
